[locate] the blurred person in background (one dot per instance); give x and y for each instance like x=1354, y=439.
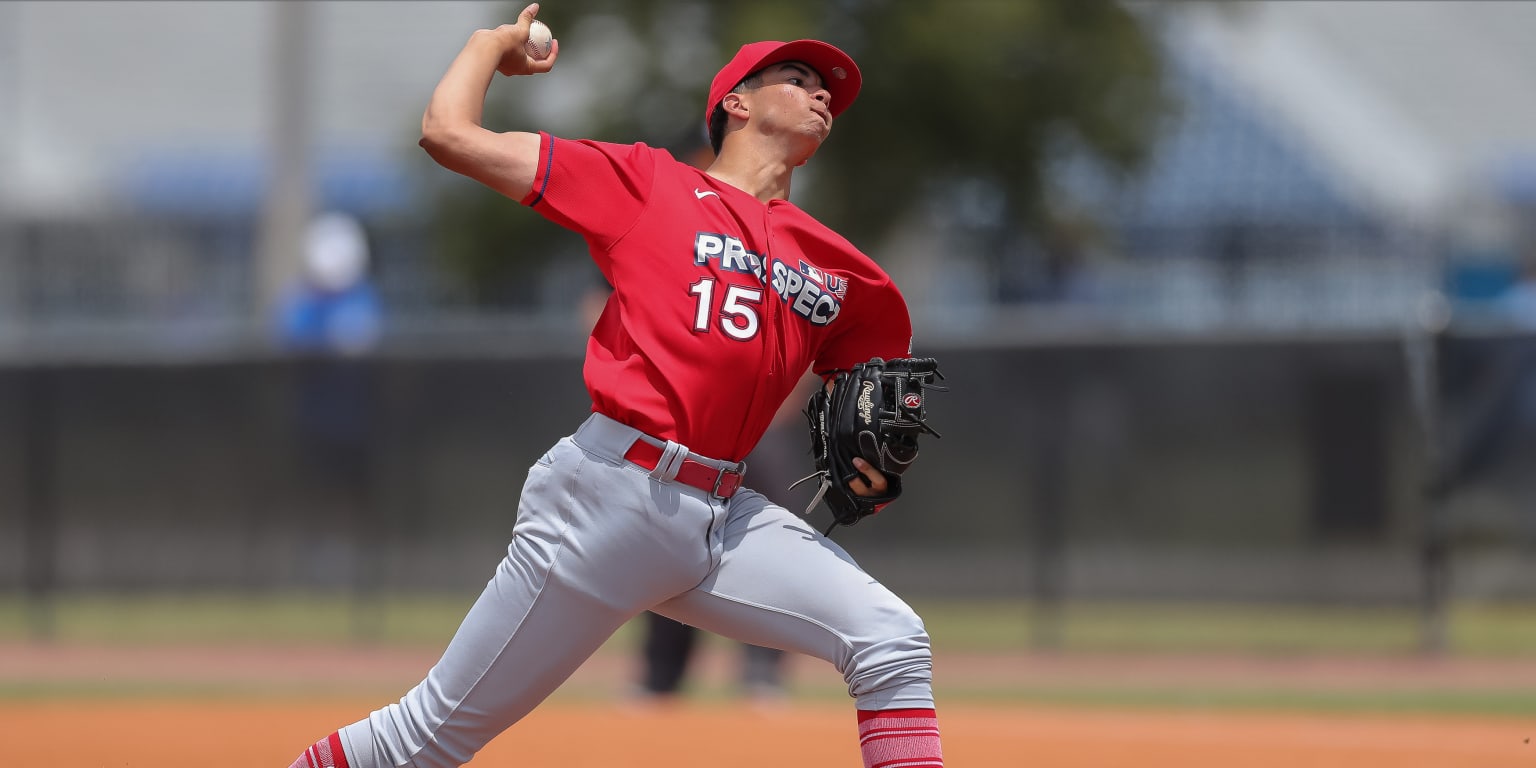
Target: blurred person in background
x=669, y=648
x=334, y=309
x=1519, y=302
x=1490, y=386
x=328, y=320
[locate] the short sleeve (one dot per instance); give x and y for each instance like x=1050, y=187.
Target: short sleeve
x=881, y=327
x=593, y=188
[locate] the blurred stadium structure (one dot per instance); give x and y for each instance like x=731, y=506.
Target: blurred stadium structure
x=1296, y=368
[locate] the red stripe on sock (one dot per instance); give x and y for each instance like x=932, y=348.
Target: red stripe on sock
x=900, y=738
x=325, y=753
x=338, y=754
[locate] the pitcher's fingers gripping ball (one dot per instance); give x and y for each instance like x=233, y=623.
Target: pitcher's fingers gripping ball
x=530, y=47
x=539, y=41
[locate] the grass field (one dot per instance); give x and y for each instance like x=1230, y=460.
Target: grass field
x=1138, y=655
x=164, y=681
x=1477, y=630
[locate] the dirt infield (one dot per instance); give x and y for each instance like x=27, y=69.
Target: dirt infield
x=269, y=733
x=97, y=707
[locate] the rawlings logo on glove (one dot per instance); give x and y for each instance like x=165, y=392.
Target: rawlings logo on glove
x=875, y=412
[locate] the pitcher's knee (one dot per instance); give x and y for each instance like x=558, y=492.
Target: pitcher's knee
x=895, y=668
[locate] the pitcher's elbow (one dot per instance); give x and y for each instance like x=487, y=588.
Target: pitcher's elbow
x=431, y=135
x=438, y=142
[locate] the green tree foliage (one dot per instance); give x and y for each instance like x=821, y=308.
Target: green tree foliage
x=967, y=92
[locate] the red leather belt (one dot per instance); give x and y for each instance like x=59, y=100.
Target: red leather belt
x=720, y=483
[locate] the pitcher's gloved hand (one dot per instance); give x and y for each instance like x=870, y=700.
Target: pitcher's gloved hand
x=875, y=412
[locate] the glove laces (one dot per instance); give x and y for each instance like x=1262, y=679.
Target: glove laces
x=821, y=490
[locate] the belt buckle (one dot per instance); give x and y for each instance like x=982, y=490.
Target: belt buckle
x=741, y=469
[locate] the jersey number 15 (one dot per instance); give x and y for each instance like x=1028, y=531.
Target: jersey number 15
x=737, y=312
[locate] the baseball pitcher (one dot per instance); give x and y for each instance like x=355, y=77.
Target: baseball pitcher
x=724, y=294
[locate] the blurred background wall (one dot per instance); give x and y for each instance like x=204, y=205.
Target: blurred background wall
x=1236, y=300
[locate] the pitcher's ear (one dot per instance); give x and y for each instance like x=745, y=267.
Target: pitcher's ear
x=735, y=105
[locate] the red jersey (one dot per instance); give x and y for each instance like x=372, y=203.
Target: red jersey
x=720, y=302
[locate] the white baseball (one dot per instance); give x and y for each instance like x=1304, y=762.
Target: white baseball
x=538, y=41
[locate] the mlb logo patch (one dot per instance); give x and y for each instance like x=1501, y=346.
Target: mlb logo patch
x=832, y=284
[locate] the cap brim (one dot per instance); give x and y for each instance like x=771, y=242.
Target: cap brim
x=839, y=74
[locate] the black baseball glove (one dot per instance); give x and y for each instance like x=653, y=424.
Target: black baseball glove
x=876, y=412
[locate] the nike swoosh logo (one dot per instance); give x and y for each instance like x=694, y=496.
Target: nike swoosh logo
x=701, y=194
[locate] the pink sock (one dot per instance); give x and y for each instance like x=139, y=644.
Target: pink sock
x=326, y=753
x=900, y=738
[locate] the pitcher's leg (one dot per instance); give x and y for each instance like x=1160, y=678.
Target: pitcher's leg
x=516, y=645
x=595, y=543
x=781, y=584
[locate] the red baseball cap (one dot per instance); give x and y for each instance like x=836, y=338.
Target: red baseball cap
x=838, y=72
